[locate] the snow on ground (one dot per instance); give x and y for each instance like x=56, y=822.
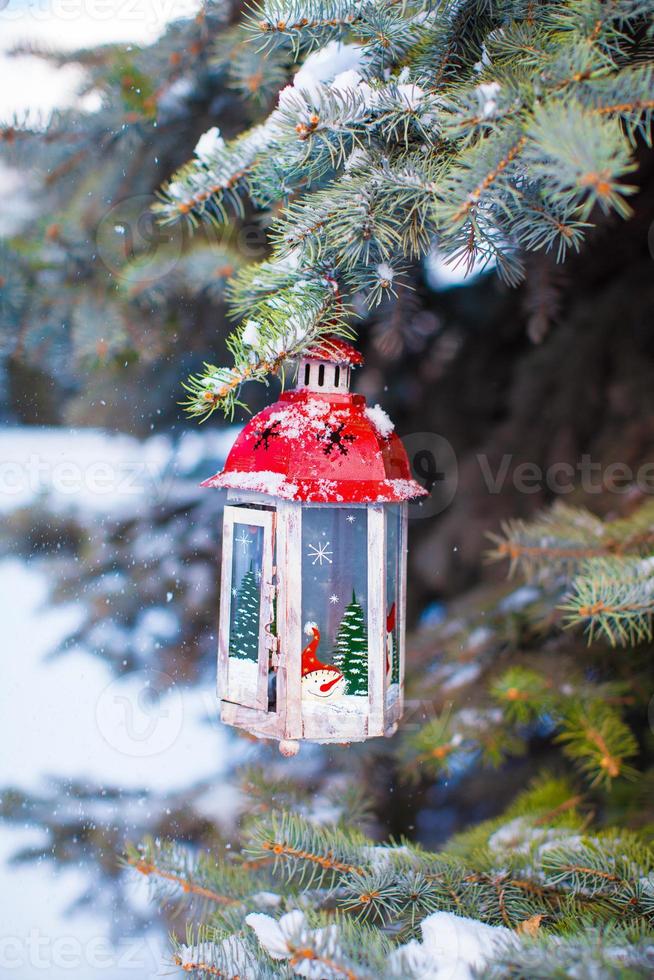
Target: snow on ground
x=17, y=202
x=95, y=472
x=69, y=717
x=67, y=25
x=38, y=939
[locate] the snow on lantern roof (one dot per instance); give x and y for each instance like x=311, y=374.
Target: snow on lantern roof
x=335, y=351
x=320, y=448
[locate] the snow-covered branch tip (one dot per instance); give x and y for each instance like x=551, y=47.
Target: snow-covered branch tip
x=281, y=328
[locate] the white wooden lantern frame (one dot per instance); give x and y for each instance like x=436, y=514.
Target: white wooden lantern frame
x=293, y=718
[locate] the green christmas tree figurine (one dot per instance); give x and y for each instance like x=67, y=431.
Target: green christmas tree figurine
x=351, y=650
x=244, y=635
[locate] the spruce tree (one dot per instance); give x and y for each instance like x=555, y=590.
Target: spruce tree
x=351, y=649
x=244, y=634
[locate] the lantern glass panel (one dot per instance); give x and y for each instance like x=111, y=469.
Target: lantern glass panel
x=335, y=600
x=393, y=571
x=245, y=613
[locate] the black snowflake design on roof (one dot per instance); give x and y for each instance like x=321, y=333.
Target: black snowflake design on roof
x=266, y=433
x=336, y=441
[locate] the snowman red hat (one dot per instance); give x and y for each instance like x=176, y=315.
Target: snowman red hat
x=324, y=677
x=309, y=660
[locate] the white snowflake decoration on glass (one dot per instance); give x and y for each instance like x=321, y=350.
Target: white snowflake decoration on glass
x=244, y=540
x=320, y=553
x=334, y=599
x=350, y=519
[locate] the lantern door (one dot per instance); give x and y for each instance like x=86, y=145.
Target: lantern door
x=247, y=613
x=336, y=645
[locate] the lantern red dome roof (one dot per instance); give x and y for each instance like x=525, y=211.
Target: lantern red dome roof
x=320, y=447
x=335, y=351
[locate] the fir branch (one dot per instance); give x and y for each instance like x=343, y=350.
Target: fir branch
x=499, y=157
x=281, y=327
x=628, y=97
x=612, y=953
x=613, y=598
x=610, y=564
x=306, y=853
x=189, y=887
x=523, y=694
x=598, y=741
x=560, y=540
x=363, y=901
x=581, y=157
x=609, y=868
x=217, y=953
x=290, y=22
x=206, y=188
x=169, y=865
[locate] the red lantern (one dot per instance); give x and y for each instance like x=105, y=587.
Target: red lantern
x=311, y=634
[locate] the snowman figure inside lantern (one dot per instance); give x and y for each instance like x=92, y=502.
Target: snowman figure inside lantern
x=313, y=591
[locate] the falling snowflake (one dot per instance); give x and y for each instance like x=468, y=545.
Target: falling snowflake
x=334, y=599
x=350, y=518
x=244, y=541
x=320, y=553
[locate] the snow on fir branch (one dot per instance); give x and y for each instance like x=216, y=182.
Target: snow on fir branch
x=332, y=903
x=280, y=327
x=489, y=130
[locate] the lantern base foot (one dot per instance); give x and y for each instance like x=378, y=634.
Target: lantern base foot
x=289, y=747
